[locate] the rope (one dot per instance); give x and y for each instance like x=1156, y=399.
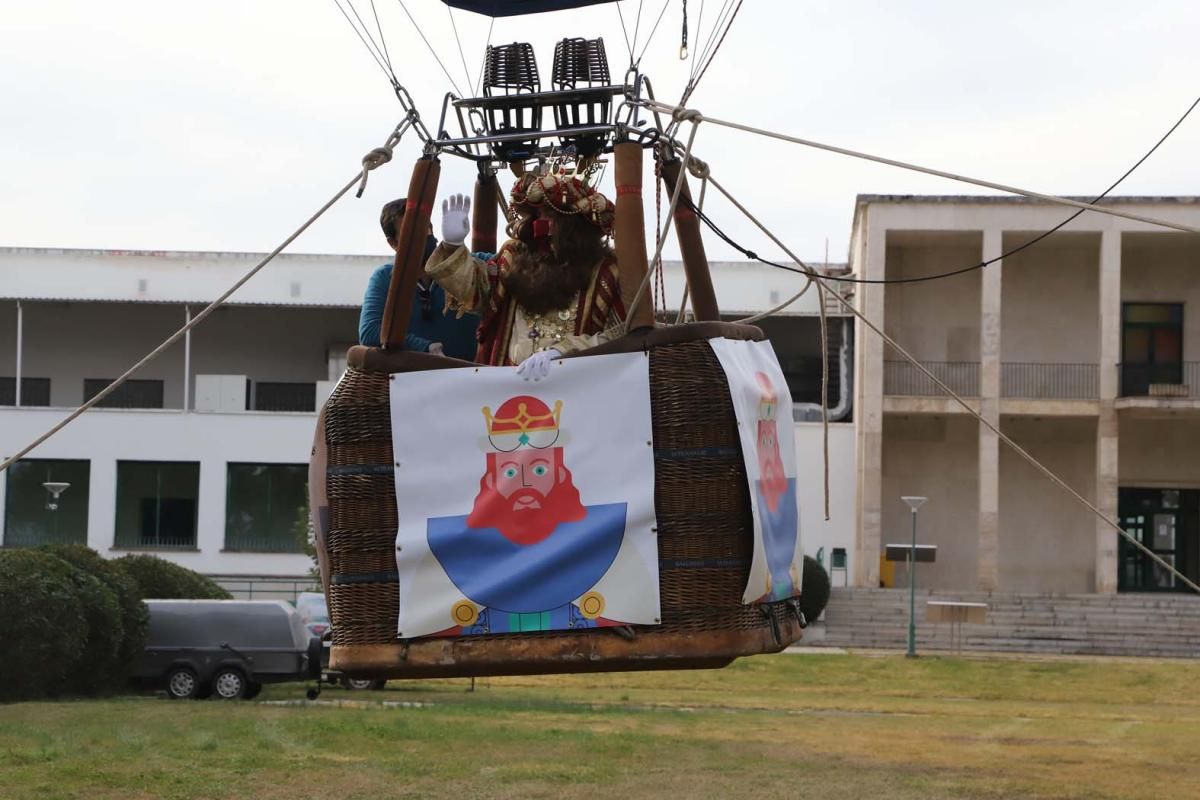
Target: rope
x=483, y=61
x=824, y=392
x=370, y=162
x=625, y=31
x=685, y=114
x=982, y=264
x=961, y=402
x=653, y=30
x=665, y=229
x=391, y=76
x=683, y=51
x=432, y=52
x=692, y=84
x=458, y=39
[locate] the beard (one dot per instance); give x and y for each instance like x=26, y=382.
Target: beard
x=544, y=279
x=773, y=483
x=533, y=522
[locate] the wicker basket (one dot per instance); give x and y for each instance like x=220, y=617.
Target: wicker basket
x=704, y=533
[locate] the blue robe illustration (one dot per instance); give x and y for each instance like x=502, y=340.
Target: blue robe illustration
x=528, y=587
x=779, y=531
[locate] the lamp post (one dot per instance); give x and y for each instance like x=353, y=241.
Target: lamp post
x=913, y=503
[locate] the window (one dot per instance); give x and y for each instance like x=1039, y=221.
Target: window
x=1151, y=346
x=34, y=391
x=266, y=507
x=1168, y=522
x=797, y=344
x=130, y=394
x=33, y=516
x=156, y=504
x=285, y=397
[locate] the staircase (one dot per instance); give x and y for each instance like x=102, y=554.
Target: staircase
x=1090, y=624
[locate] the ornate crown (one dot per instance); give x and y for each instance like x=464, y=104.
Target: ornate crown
x=768, y=404
x=523, y=421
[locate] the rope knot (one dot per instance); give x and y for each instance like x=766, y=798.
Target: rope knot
x=698, y=168
x=376, y=158
x=682, y=115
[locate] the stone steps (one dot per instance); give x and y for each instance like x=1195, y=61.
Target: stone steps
x=1135, y=624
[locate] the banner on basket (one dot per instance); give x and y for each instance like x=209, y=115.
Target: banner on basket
x=525, y=506
x=763, y=405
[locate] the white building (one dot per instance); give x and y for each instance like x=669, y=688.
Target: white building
x=1081, y=348
x=201, y=457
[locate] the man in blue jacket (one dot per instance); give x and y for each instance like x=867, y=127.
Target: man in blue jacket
x=431, y=329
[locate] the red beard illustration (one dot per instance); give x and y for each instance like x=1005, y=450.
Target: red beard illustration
x=770, y=465
x=526, y=495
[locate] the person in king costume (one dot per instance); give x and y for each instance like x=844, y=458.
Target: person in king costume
x=551, y=289
x=777, y=510
x=529, y=554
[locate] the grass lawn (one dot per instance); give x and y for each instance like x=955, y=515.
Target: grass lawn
x=841, y=726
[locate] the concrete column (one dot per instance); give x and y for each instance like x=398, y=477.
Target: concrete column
x=1107, y=425
x=102, y=505
x=869, y=413
x=989, y=409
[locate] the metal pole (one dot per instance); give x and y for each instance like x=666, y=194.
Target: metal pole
x=187, y=357
x=912, y=590
x=20, y=337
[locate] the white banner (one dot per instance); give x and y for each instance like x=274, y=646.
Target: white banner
x=763, y=405
x=525, y=506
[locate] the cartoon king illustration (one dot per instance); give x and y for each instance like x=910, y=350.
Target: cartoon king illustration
x=529, y=554
x=777, y=509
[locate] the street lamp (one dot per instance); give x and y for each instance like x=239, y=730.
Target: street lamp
x=55, y=488
x=913, y=503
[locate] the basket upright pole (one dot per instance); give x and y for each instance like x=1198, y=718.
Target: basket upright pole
x=629, y=233
x=484, y=214
x=410, y=250
x=695, y=260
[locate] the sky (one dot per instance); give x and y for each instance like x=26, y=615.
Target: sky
x=222, y=125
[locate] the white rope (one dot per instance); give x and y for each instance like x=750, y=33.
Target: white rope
x=369, y=161
x=965, y=405
x=691, y=114
x=808, y=282
x=662, y=238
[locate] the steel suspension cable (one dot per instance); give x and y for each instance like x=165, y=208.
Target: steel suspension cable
x=682, y=114
x=376, y=158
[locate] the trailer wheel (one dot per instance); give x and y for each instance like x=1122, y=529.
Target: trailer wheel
x=182, y=683
x=362, y=684
x=229, y=684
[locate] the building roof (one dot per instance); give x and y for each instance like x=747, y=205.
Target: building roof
x=298, y=280
x=1008, y=199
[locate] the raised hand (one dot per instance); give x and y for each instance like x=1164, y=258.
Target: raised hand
x=456, y=219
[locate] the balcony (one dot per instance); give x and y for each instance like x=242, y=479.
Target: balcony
x=1050, y=381
x=903, y=378
x=1179, y=380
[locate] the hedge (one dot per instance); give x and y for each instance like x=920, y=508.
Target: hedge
x=157, y=579
x=135, y=617
x=45, y=622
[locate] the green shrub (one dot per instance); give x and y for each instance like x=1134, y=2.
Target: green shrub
x=44, y=624
x=135, y=617
x=814, y=589
x=157, y=579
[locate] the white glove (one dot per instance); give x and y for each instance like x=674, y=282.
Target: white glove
x=537, y=366
x=456, y=222
x=437, y=349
